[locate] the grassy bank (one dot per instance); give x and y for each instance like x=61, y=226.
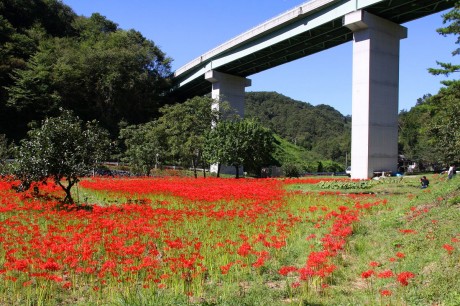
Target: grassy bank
x=418, y=232
x=181, y=241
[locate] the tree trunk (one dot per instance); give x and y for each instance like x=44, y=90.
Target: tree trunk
x=194, y=167
x=218, y=170
x=68, y=196
x=237, y=175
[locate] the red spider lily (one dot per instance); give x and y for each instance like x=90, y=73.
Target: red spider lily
x=189, y=188
x=67, y=285
x=286, y=270
x=385, y=292
x=400, y=255
x=224, y=269
x=385, y=274
x=244, y=249
x=404, y=276
x=295, y=284
x=407, y=231
x=50, y=265
x=138, y=241
x=19, y=265
x=374, y=264
x=449, y=248
x=263, y=256
x=367, y=274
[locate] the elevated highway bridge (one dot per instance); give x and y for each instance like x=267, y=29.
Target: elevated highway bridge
x=374, y=27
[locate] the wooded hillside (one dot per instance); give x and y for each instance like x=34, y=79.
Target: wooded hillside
x=320, y=129
x=52, y=59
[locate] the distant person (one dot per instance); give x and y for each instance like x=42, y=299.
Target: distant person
x=451, y=172
x=424, y=182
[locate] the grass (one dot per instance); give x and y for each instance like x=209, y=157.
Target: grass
x=418, y=223
x=402, y=230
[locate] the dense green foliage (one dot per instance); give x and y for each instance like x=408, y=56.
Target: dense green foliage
x=429, y=132
x=51, y=58
x=6, y=151
x=183, y=135
x=320, y=129
x=296, y=160
x=452, y=19
x=62, y=148
x=145, y=146
x=54, y=59
x=240, y=143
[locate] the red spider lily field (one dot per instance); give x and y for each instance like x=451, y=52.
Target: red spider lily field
x=216, y=241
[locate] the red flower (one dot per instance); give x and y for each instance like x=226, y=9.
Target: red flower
x=448, y=248
x=367, y=274
x=295, y=284
x=400, y=255
x=407, y=231
x=385, y=292
x=286, y=270
x=50, y=265
x=224, y=269
x=385, y=274
x=404, y=276
x=67, y=285
x=244, y=249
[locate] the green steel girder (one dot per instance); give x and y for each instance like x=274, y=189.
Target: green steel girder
x=292, y=42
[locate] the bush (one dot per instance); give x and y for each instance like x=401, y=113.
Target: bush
x=62, y=149
x=291, y=170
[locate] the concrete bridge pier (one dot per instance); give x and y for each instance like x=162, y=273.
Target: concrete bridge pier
x=374, y=140
x=229, y=88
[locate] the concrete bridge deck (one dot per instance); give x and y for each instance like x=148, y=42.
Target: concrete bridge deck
x=306, y=29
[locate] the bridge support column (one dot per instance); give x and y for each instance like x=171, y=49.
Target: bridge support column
x=228, y=88
x=374, y=140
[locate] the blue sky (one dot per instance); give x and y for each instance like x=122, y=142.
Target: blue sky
x=185, y=29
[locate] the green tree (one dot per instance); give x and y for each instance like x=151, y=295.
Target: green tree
x=23, y=24
x=240, y=143
x=105, y=73
x=63, y=149
x=145, y=146
x=452, y=19
x=6, y=151
x=443, y=128
x=320, y=129
x=185, y=126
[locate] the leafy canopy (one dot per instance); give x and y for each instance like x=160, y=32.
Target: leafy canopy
x=240, y=143
x=62, y=148
x=452, y=19
x=145, y=146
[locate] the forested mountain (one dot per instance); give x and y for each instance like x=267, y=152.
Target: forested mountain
x=50, y=58
x=320, y=129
